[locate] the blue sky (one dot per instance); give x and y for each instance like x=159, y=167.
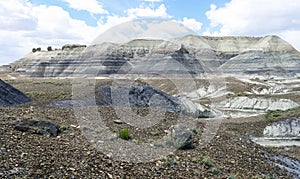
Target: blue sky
x=41, y=23
x=176, y=8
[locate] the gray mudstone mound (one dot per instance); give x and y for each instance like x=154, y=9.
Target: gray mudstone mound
x=139, y=96
x=143, y=96
x=287, y=128
x=41, y=127
x=10, y=96
x=180, y=137
x=126, y=96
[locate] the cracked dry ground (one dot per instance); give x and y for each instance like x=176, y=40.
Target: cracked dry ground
x=229, y=153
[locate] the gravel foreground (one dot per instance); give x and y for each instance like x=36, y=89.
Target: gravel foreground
x=230, y=154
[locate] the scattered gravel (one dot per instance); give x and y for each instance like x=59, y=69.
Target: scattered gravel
x=69, y=155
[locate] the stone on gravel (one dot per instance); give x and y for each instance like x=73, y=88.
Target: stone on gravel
x=41, y=127
x=181, y=137
x=10, y=96
x=118, y=122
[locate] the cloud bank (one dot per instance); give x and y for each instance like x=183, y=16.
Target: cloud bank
x=257, y=18
x=25, y=25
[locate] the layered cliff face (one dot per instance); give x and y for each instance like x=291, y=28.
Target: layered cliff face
x=190, y=54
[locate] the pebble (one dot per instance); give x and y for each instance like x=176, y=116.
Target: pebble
x=118, y=122
x=158, y=163
x=109, y=175
x=23, y=154
x=73, y=126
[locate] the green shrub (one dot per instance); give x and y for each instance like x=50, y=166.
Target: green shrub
x=276, y=115
x=273, y=114
x=35, y=94
x=138, y=142
x=207, y=161
x=240, y=93
x=63, y=127
x=56, y=83
x=60, y=95
x=215, y=170
x=231, y=176
x=124, y=134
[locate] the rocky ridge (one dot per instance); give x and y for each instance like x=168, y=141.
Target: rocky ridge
x=190, y=54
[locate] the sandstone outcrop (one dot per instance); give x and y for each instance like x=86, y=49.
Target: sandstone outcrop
x=259, y=104
x=287, y=128
x=280, y=134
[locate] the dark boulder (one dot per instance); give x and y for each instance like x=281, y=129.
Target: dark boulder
x=41, y=127
x=181, y=137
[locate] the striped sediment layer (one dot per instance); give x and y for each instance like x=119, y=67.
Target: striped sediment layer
x=190, y=54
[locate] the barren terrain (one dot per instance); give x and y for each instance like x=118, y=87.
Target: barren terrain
x=230, y=154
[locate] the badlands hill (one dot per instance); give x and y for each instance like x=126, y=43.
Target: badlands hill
x=189, y=54
x=10, y=96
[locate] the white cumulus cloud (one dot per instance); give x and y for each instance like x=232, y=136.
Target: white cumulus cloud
x=92, y=6
x=33, y=25
x=256, y=18
x=16, y=15
x=191, y=23
x=146, y=11
x=27, y=26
